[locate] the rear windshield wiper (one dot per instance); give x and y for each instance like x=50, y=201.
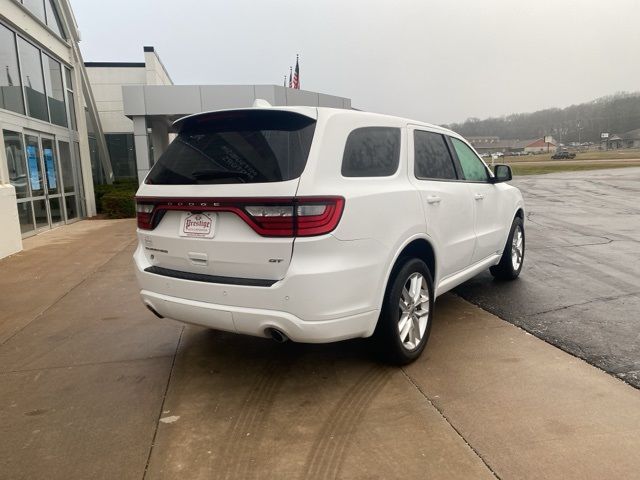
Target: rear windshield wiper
x=213, y=174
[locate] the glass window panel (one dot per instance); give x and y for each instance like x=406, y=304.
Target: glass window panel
x=55, y=90
x=16, y=163
x=10, y=84
x=36, y=7
x=72, y=207
x=50, y=166
x=91, y=129
x=33, y=80
x=371, y=152
x=472, y=167
x=432, y=157
x=68, y=179
x=53, y=19
x=55, y=207
x=67, y=78
x=72, y=110
x=25, y=214
x=33, y=166
x=79, y=185
x=122, y=153
x=40, y=209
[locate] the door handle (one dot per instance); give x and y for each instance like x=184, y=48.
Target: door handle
x=434, y=199
x=479, y=196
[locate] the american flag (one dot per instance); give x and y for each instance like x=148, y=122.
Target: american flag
x=296, y=75
x=290, y=83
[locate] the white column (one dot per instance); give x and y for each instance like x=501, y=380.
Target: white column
x=10, y=236
x=141, y=142
x=159, y=137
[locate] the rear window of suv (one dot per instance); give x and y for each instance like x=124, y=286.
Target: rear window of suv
x=252, y=146
x=371, y=152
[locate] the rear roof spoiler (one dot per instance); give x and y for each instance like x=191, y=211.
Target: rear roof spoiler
x=310, y=112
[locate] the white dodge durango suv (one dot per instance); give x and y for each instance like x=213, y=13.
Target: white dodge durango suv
x=319, y=224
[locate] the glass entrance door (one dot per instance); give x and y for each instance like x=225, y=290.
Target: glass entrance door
x=47, y=176
x=52, y=180
x=71, y=180
x=44, y=180
x=37, y=181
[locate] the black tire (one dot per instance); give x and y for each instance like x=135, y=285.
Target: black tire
x=387, y=335
x=505, y=270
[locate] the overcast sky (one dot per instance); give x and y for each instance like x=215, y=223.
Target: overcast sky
x=438, y=61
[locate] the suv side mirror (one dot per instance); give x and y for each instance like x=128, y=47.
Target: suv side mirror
x=501, y=173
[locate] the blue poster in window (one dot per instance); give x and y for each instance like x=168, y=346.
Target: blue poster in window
x=32, y=161
x=50, y=166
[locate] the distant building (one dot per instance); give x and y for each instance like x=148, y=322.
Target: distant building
x=632, y=138
x=540, y=146
x=496, y=145
x=626, y=140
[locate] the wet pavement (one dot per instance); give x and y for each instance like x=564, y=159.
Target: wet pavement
x=580, y=287
x=92, y=385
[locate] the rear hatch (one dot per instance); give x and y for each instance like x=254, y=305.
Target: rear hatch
x=221, y=200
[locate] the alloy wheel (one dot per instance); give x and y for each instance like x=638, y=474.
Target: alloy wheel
x=517, y=248
x=414, y=311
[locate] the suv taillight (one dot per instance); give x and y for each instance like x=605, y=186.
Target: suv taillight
x=144, y=212
x=269, y=217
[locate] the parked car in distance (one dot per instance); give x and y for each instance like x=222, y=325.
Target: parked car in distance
x=319, y=225
x=563, y=155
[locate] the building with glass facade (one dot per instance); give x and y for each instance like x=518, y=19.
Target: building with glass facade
x=107, y=80
x=66, y=125
x=46, y=115
x=154, y=108
x=138, y=103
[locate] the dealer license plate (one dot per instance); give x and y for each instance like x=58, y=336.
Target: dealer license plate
x=197, y=225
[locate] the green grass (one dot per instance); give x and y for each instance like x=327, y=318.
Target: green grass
x=591, y=155
x=524, y=169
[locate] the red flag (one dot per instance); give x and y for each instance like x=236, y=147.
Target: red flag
x=296, y=75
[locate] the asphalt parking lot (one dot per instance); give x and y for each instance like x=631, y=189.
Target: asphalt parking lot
x=580, y=288
x=94, y=386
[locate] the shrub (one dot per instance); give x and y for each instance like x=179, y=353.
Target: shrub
x=123, y=185
x=128, y=181
x=119, y=204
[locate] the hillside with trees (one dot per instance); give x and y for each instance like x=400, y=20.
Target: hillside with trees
x=617, y=113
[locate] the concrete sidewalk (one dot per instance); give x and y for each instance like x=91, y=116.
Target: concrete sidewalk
x=93, y=386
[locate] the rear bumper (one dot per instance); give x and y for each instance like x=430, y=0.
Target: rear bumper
x=332, y=291
x=254, y=321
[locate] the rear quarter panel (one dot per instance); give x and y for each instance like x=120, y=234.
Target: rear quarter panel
x=386, y=210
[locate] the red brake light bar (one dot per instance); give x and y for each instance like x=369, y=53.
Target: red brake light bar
x=269, y=217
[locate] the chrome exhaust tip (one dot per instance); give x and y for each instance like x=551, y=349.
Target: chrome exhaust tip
x=276, y=335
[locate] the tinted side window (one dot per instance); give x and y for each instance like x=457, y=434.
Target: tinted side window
x=432, y=157
x=472, y=167
x=371, y=152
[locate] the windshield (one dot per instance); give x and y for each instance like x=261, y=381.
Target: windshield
x=252, y=146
